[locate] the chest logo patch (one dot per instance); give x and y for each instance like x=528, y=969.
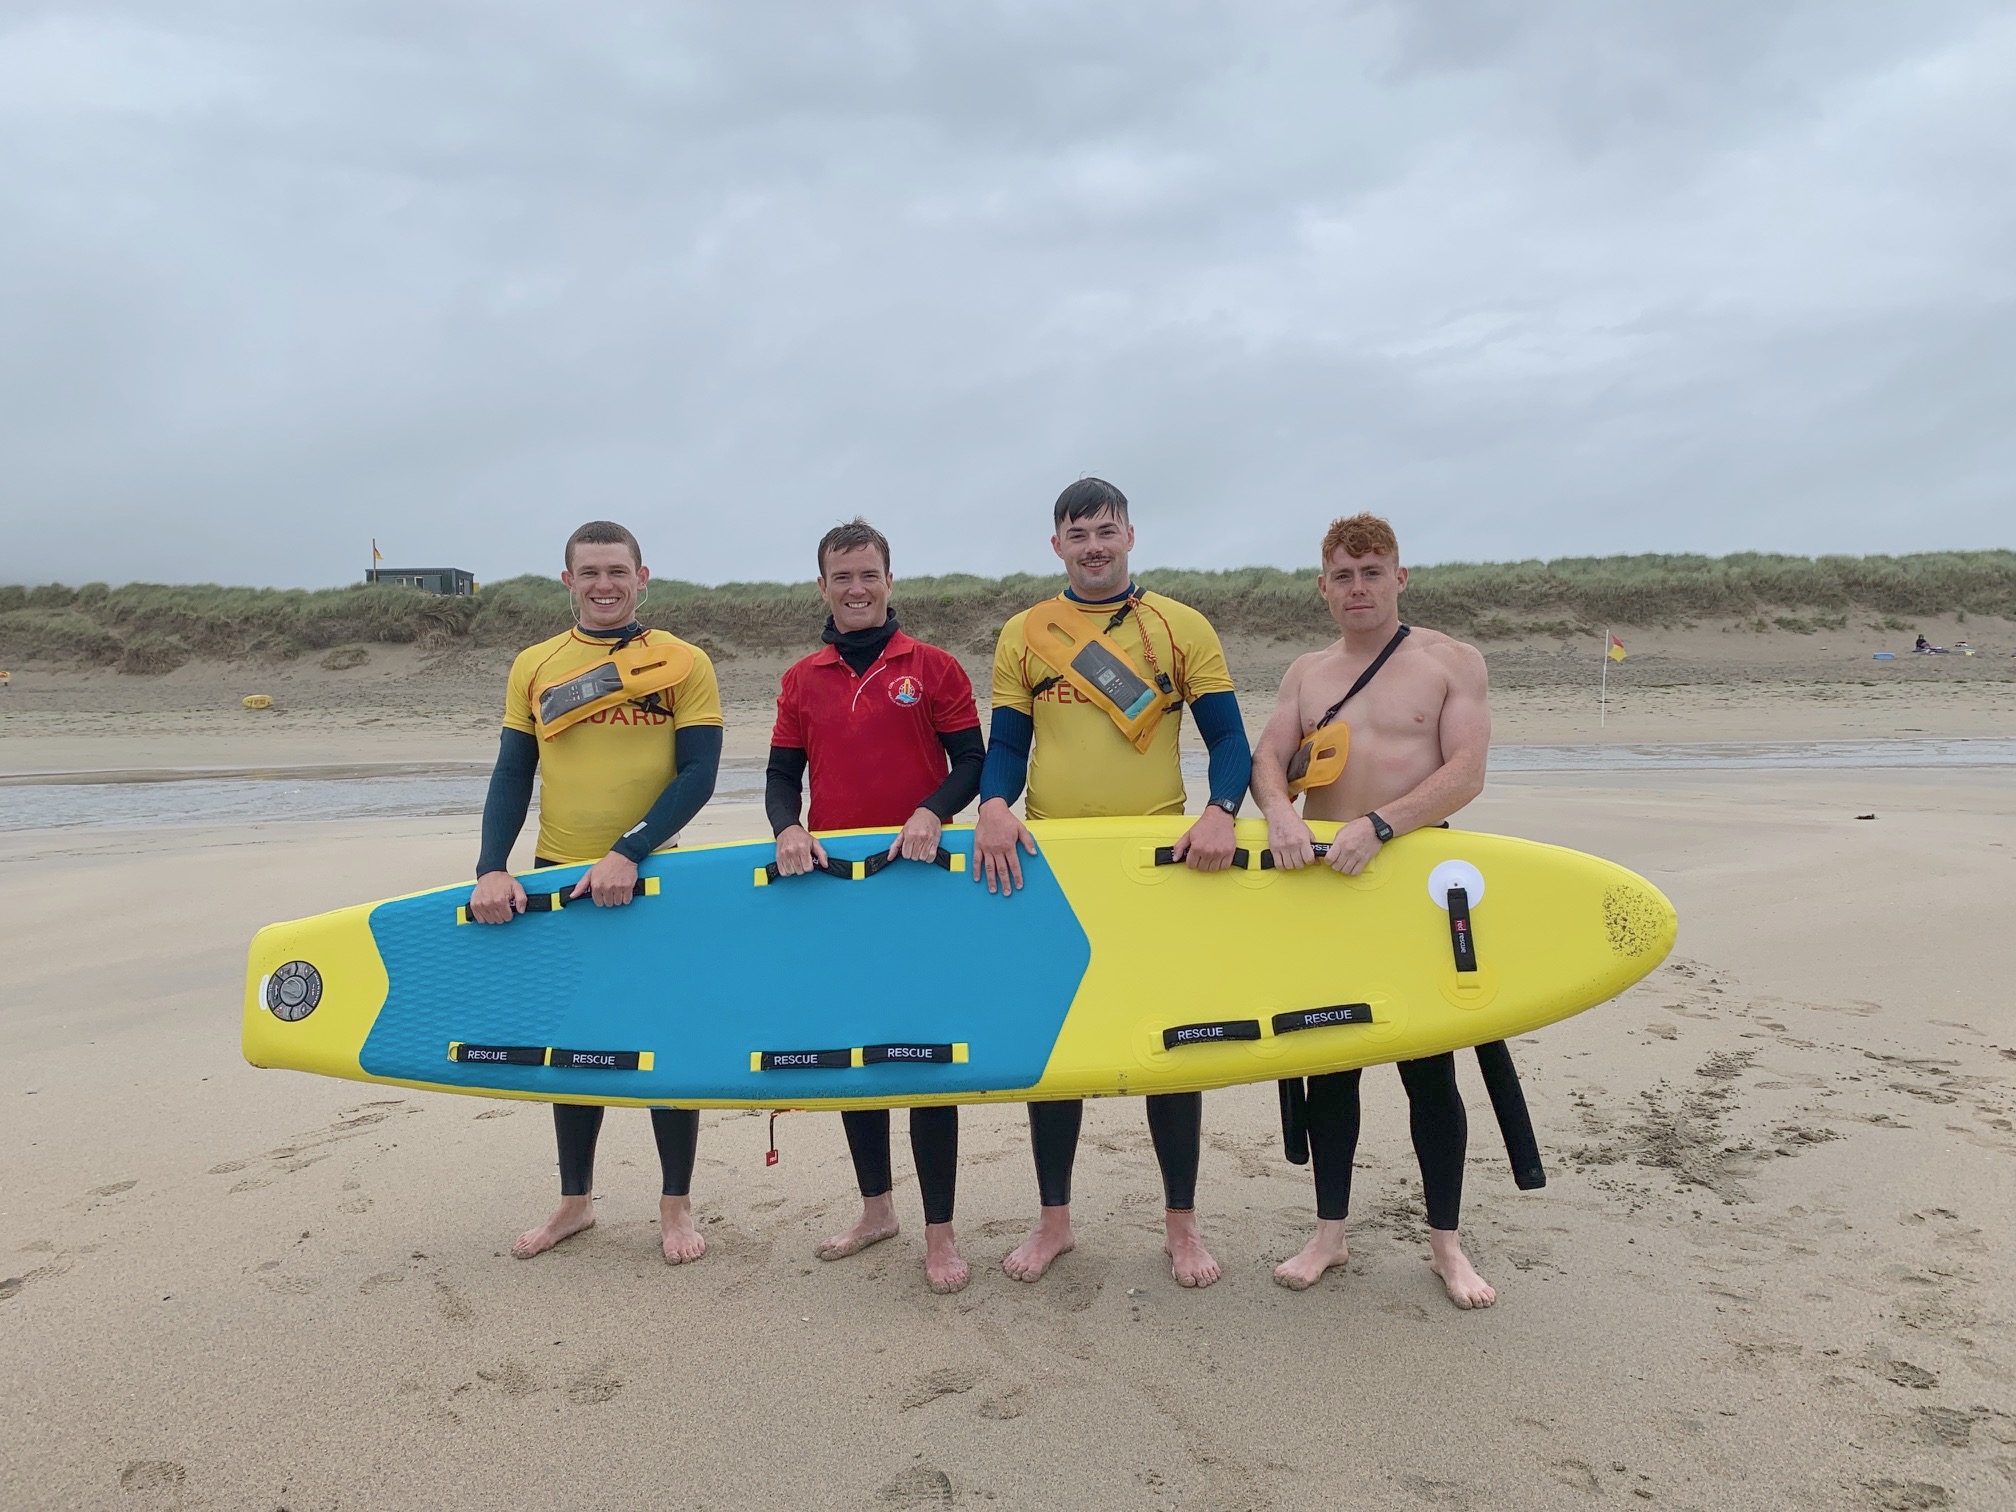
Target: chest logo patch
x=906, y=692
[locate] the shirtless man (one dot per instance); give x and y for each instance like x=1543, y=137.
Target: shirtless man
x=1420, y=733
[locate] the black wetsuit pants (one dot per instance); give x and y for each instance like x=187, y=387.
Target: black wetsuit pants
x=934, y=1145
x=1175, y=1123
x=577, y=1127
x=1435, y=1117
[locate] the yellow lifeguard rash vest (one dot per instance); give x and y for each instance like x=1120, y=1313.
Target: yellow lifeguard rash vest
x=1082, y=767
x=599, y=777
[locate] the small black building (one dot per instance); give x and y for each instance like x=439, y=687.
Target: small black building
x=451, y=581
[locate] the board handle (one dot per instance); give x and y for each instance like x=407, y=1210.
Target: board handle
x=554, y=902
x=862, y=870
x=1242, y=858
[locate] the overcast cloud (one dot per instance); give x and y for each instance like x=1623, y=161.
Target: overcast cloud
x=1534, y=277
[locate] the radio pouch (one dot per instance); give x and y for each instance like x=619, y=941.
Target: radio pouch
x=1085, y=656
x=635, y=672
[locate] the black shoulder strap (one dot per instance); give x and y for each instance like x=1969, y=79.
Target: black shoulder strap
x=1366, y=676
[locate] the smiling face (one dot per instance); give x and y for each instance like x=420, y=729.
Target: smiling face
x=1094, y=553
x=1363, y=592
x=605, y=582
x=856, y=586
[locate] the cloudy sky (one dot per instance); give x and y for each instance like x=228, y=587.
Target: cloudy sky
x=1533, y=277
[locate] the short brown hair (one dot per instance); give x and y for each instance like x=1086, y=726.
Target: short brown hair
x=852, y=536
x=604, y=533
x=1360, y=535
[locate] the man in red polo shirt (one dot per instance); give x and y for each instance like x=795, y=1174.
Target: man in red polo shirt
x=887, y=727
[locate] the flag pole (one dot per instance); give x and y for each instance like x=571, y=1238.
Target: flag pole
x=1603, y=687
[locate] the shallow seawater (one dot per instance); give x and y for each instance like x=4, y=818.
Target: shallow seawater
x=102, y=800
x=116, y=799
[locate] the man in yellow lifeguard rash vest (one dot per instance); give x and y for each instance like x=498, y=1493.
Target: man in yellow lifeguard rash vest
x=1097, y=679
x=625, y=725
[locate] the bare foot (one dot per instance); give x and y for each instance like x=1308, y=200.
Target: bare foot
x=575, y=1215
x=943, y=1267
x=1051, y=1237
x=675, y=1222
x=1459, y=1277
x=1189, y=1261
x=876, y=1223
x=1326, y=1247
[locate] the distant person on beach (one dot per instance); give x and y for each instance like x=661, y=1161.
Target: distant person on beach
x=1420, y=731
x=621, y=776
x=1090, y=757
x=886, y=727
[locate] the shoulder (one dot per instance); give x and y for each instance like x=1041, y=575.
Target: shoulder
x=1015, y=632
x=665, y=638
x=1461, y=660
x=533, y=656
x=1182, y=618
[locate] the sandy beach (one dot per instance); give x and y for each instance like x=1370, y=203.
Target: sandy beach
x=1770, y=1269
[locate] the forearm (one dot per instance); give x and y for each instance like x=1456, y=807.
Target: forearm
x=1438, y=795
x=684, y=796
x=968, y=753
x=1007, y=767
x=1231, y=758
x=1270, y=784
x=784, y=787
x=508, y=801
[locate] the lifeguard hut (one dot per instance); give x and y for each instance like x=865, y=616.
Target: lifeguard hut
x=451, y=582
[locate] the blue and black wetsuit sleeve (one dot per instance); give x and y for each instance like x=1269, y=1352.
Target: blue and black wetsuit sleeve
x=508, y=801
x=1224, y=733
x=1007, y=767
x=784, y=787
x=967, y=752
x=684, y=796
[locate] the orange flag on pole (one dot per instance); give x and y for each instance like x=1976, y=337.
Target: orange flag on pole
x=1616, y=648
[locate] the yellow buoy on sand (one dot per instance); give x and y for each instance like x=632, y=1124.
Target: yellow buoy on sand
x=259, y=701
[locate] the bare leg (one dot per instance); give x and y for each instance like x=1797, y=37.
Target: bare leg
x=1326, y=1248
x=681, y=1240
x=876, y=1223
x=1466, y=1288
x=1189, y=1261
x=574, y=1215
x=1051, y=1237
x=944, y=1269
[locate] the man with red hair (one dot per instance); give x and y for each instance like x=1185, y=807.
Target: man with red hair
x=1420, y=730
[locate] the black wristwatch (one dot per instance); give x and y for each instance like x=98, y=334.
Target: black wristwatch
x=1230, y=805
x=1381, y=828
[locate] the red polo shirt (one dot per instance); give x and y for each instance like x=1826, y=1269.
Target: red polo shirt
x=871, y=741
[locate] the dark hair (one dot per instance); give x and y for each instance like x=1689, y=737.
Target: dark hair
x=852, y=536
x=1088, y=496
x=604, y=533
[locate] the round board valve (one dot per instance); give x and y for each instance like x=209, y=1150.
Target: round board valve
x=293, y=991
x=1455, y=874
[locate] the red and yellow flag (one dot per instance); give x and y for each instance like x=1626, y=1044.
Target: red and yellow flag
x=376, y=554
x=1616, y=648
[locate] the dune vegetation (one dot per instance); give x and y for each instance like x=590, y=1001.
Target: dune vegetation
x=152, y=627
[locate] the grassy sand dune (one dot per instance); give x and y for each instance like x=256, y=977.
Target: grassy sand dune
x=151, y=628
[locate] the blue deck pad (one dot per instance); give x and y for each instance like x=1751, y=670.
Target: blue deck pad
x=715, y=967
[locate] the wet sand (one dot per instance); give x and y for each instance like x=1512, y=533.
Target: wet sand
x=1770, y=1269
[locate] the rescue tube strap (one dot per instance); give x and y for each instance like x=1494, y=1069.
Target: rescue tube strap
x=555, y=901
x=860, y=871
x=1320, y=1018
x=1462, y=938
x=1209, y=1034
x=1367, y=675
x=546, y=1055
x=861, y=1055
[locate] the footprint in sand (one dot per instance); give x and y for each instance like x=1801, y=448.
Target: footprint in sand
x=455, y=1308
x=595, y=1385
x=153, y=1475
x=1907, y=1496
x=1006, y=1407
x=113, y=1189
x=510, y=1377
x=929, y=1387
x=918, y=1486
